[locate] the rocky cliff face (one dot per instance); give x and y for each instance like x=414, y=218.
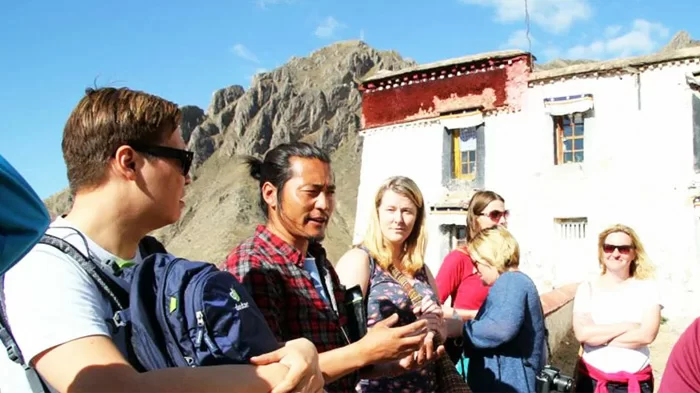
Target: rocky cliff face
x=313, y=99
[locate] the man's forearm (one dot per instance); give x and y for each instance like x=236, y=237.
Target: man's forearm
x=340, y=362
x=225, y=378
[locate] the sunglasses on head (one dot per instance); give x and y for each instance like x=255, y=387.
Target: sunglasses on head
x=610, y=248
x=185, y=157
x=495, y=215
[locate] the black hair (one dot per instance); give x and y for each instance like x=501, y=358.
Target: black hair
x=275, y=167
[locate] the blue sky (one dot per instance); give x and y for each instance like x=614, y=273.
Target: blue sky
x=184, y=52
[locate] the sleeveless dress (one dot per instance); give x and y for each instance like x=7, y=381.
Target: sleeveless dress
x=386, y=297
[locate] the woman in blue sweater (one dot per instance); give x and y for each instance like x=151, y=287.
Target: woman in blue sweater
x=506, y=340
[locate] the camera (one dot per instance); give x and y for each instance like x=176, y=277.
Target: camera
x=550, y=379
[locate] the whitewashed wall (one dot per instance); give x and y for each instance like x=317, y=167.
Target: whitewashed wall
x=411, y=149
x=637, y=170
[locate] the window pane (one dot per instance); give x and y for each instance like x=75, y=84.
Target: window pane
x=464, y=156
x=565, y=121
x=579, y=129
x=472, y=167
x=461, y=232
x=578, y=156
x=472, y=155
x=578, y=144
x=567, y=145
x=465, y=168
x=568, y=157
x=578, y=118
x=567, y=130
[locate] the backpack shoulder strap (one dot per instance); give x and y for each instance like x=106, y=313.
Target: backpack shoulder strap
x=117, y=296
x=150, y=245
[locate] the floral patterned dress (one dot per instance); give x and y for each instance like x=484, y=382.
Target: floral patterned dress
x=386, y=297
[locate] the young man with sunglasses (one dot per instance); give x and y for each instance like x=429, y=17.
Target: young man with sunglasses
x=127, y=169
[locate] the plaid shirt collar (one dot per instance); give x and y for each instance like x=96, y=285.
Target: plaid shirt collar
x=289, y=252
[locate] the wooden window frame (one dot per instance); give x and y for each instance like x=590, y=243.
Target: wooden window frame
x=560, y=138
x=457, y=158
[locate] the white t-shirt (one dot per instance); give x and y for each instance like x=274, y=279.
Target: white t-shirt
x=628, y=303
x=50, y=300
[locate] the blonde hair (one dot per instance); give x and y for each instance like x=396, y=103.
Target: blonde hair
x=641, y=268
x=497, y=247
x=414, y=245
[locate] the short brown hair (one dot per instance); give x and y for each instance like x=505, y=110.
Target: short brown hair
x=107, y=118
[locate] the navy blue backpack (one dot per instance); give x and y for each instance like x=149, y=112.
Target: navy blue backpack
x=169, y=312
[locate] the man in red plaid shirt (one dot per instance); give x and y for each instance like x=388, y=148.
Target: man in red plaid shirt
x=285, y=269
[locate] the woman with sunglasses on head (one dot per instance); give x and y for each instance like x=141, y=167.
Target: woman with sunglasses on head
x=617, y=316
x=457, y=278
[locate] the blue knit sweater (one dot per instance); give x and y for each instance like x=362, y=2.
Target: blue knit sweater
x=505, y=342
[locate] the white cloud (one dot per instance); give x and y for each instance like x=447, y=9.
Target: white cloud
x=551, y=52
x=244, y=53
x=612, y=31
x=518, y=40
x=642, y=38
x=328, y=27
x=555, y=16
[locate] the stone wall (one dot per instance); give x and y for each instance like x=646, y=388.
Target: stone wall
x=558, y=308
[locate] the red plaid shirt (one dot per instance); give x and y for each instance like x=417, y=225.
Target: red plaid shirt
x=273, y=273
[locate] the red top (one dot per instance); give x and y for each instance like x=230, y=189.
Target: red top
x=457, y=279
x=682, y=372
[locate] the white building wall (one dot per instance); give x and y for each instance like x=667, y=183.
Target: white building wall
x=412, y=149
x=637, y=169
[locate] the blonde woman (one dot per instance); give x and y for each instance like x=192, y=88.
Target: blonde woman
x=457, y=278
x=396, y=236
x=617, y=316
x=505, y=341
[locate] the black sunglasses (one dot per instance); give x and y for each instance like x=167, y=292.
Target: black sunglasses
x=183, y=156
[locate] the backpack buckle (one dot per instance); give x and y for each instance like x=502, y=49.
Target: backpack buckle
x=118, y=319
x=13, y=352
x=10, y=345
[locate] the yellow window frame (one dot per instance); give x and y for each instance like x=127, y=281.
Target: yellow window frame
x=457, y=159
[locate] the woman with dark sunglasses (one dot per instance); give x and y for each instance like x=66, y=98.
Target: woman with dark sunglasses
x=457, y=278
x=617, y=316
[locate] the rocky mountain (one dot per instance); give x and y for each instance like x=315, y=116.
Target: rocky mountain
x=314, y=99
x=680, y=40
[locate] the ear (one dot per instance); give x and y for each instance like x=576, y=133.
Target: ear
x=269, y=194
x=126, y=162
